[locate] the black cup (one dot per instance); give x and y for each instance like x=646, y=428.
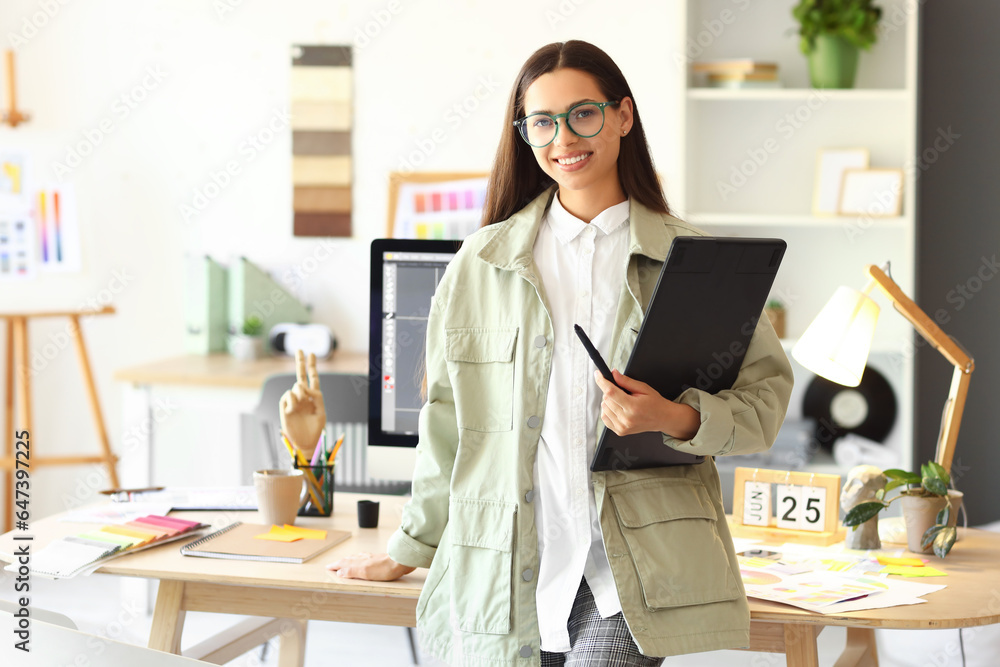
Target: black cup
x=368, y=513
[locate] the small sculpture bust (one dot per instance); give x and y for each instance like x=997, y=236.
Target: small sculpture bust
x=862, y=483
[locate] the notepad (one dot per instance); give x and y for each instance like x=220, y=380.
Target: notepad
x=237, y=541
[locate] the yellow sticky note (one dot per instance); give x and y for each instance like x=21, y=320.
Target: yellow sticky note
x=306, y=533
x=908, y=571
x=893, y=560
x=278, y=534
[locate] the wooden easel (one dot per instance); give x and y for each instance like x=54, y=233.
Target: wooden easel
x=17, y=358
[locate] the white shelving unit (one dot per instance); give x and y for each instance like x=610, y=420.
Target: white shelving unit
x=748, y=159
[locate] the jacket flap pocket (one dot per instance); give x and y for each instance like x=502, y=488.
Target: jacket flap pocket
x=488, y=524
x=641, y=504
x=480, y=346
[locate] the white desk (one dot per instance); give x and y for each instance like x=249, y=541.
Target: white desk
x=189, y=406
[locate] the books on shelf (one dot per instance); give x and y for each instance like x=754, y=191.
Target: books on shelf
x=733, y=66
x=738, y=73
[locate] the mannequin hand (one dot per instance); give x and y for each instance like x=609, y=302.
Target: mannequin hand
x=645, y=410
x=303, y=415
x=373, y=567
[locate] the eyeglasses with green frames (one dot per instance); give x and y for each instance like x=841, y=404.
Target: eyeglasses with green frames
x=584, y=120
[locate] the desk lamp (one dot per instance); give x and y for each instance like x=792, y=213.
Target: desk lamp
x=837, y=343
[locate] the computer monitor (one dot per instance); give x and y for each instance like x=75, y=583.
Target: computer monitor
x=404, y=275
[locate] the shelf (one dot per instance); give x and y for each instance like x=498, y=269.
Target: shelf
x=787, y=220
x=764, y=94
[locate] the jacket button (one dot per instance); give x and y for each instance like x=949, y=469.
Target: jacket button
x=525, y=651
x=527, y=574
x=534, y=421
x=529, y=496
x=539, y=341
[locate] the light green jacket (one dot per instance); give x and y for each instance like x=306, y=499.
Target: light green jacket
x=471, y=519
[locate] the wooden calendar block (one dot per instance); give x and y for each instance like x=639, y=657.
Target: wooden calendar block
x=806, y=506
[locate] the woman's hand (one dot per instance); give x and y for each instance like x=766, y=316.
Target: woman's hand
x=373, y=567
x=645, y=410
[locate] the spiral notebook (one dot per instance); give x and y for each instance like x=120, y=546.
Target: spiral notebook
x=237, y=541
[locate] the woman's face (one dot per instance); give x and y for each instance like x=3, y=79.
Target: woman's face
x=574, y=162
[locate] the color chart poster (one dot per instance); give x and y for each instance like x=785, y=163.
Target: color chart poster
x=17, y=244
x=17, y=234
x=58, y=230
x=446, y=210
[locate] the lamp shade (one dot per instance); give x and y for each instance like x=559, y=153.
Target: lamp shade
x=837, y=343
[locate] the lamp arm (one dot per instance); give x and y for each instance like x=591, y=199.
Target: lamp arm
x=932, y=333
x=924, y=325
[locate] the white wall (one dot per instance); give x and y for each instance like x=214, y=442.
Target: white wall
x=222, y=76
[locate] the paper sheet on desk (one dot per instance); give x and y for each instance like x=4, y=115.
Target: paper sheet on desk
x=116, y=513
x=831, y=592
x=196, y=497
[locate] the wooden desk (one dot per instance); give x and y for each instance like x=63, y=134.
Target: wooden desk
x=223, y=370
x=290, y=593
x=297, y=593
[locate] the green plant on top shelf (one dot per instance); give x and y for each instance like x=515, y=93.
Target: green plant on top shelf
x=253, y=326
x=854, y=20
x=931, y=482
x=831, y=34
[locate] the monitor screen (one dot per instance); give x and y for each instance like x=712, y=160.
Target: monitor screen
x=404, y=275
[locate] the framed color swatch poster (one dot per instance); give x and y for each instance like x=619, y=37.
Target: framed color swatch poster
x=435, y=205
x=322, y=117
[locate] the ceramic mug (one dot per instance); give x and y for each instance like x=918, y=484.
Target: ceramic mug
x=280, y=493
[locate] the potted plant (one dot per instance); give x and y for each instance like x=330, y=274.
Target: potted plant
x=831, y=33
x=930, y=508
x=775, y=311
x=248, y=343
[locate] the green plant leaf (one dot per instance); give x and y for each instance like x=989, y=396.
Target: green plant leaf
x=940, y=472
x=880, y=494
x=925, y=471
x=861, y=513
x=943, y=515
x=901, y=475
x=944, y=541
x=935, y=485
x=929, y=535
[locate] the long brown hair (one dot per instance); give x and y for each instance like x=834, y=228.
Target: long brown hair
x=516, y=178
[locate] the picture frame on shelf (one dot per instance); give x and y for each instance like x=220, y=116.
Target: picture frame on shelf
x=831, y=163
x=877, y=193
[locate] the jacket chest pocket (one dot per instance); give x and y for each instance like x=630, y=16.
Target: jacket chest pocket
x=670, y=529
x=481, y=563
x=481, y=369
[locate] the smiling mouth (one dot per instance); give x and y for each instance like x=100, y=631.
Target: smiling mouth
x=573, y=160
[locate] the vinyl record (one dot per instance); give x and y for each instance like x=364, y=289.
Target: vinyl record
x=868, y=410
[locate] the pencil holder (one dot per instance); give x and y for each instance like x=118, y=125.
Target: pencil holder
x=319, y=485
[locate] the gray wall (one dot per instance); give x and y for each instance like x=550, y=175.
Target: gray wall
x=958, y=236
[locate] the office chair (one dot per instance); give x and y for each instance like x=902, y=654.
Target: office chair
x=53, y=617
x=345, y=398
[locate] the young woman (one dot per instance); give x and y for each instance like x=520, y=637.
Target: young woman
x=534, y=559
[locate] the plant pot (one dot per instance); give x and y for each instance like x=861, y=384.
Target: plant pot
x=833, y=62
x=920, y=512
x=246, y=348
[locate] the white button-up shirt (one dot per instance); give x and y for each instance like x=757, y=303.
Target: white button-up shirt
x=582, y=267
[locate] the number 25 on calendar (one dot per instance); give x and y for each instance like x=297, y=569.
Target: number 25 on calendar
x=801, y=507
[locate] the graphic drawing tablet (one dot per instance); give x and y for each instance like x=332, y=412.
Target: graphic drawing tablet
x=710, y=294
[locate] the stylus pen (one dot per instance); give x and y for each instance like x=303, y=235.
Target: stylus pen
x=595, y=356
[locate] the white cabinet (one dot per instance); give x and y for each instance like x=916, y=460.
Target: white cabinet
x=748, y=161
